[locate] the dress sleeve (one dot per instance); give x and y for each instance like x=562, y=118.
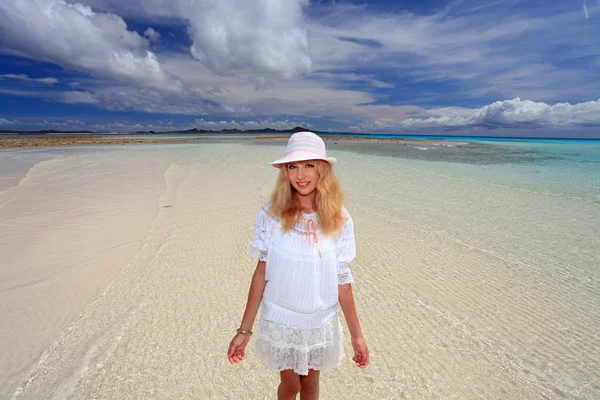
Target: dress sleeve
x=346, y=252
x=258, y=249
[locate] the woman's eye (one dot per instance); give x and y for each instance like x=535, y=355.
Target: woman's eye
x=310, y=166
x=291, y=166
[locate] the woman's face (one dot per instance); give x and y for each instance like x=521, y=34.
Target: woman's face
x=303, y=176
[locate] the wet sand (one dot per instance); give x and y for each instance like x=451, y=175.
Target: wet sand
x=10, y=143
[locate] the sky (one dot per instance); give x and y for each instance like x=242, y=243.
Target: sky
x=462, y=67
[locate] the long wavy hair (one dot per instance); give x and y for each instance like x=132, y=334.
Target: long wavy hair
x=328, y=201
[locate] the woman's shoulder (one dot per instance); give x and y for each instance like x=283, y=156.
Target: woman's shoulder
x=346, y=214
x=265, y=207
x=264, y=214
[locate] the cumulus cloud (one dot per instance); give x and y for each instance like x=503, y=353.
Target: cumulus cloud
x=24, y=77
x=509, y=113
x=249, y=37
x=461, y=44
x=75, y=36
x=152, y=35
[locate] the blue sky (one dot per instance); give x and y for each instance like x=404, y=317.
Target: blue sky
x=468, y=67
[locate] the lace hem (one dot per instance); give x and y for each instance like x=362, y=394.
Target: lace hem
x=345, y=278
x=256, y=252
x=344, y=274
x=282, y=347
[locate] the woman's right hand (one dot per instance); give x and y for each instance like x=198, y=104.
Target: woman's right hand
x=235, y=354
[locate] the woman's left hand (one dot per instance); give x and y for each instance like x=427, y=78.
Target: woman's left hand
x=361, y=352
x=236, y=353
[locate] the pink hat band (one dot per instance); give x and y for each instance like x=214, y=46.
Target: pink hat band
x=304, y=146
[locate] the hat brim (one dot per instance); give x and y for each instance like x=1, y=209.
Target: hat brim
x=301, y=156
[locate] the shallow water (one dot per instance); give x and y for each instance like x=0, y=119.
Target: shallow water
x=570, y=169
x=477, y=264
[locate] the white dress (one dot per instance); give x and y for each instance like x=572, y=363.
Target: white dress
x=299, y=327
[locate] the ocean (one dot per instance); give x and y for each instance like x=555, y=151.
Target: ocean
x=566, y=168
x=561, y=167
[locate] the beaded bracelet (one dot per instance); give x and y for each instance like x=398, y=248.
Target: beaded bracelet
x=243, y=332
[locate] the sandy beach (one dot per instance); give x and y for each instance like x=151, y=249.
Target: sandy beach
x=125, y=272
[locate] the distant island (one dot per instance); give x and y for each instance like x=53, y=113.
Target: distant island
x=196, y=131
x=193, y=131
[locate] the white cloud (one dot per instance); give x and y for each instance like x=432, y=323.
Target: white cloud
x=314, y=97
x=73, y=97
x=151, y=34
x=150, y=100
x=517, y=111
x=508, y=113
x=249, y=37
x=24, y=77
x=258, y=39
x=24, y=93
x=351, y=78
x=75, y=36
x=465, y=48
x=248, y=125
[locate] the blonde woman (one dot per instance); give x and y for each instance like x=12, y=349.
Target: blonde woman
x=304, y=242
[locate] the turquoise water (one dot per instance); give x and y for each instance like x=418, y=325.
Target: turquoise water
x=565, y=168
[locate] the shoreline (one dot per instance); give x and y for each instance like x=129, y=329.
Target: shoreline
x=22, y=142
x=13, y=143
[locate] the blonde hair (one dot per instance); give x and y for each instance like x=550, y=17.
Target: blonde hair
x=328, y=201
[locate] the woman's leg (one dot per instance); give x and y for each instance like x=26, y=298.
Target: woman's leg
x=309, y=385
x=289, y=386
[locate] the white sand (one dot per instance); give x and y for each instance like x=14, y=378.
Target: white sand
x=125, y=272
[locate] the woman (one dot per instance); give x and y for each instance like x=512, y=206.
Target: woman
x=304, y=242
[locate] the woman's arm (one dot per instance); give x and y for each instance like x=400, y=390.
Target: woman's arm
x=257, y=288
x=238, y=344
x=346, y=299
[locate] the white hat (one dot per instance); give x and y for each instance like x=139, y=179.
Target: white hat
x=304, y=146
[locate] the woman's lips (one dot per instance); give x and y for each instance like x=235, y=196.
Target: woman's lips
x=303, y=184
